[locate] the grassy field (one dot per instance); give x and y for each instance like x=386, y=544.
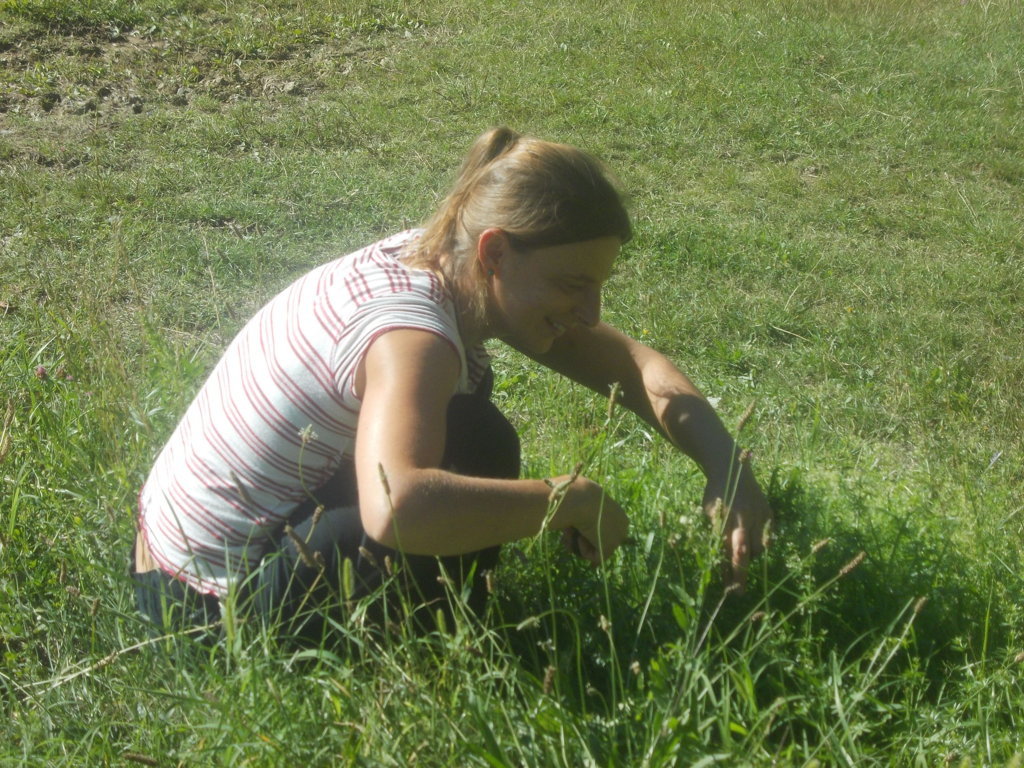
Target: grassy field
x=828, y=202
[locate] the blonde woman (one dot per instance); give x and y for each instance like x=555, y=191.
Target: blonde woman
x=351, y=419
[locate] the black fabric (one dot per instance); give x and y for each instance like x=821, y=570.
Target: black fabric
x=299, y=593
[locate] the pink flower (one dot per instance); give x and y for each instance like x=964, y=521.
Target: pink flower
x=41, y=372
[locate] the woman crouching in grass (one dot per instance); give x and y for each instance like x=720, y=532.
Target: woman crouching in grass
x=350, y=419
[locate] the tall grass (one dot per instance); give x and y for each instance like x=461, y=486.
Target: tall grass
x=828, y=225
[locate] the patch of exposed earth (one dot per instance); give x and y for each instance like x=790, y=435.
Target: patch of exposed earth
x=45, y=74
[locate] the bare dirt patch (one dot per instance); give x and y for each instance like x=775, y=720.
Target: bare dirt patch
x=46, y=73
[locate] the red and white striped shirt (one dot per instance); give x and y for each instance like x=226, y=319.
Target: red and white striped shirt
x=279, y=412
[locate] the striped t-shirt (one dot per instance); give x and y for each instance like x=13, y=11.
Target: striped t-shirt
x=278, y=414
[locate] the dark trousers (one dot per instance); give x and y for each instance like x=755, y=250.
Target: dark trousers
x=300, y=593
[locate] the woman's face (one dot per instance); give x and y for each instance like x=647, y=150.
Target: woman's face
x=541, y=293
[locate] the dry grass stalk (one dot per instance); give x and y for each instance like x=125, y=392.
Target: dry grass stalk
x=558, y=489
x=613, y=398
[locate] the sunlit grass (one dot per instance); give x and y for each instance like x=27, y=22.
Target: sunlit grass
x=827, y=202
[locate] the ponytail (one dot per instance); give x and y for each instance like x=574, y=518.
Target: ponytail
x=539, y=193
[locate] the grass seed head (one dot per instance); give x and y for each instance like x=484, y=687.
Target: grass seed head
x=347, y=579
x=367, y=555
x=847, y=569
x=384, y=480
x=549, y=679
x=135, y=757
x=745, y=417
x=5, y=432
x=305, y=553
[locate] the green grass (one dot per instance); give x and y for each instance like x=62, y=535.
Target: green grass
x=827, y=201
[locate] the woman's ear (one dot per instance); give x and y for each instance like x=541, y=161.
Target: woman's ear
x=492, y=247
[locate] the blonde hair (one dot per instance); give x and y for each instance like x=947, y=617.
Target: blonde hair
x=538, y=192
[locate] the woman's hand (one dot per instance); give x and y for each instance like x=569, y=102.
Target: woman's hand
x=594, y=525
x=739, y=509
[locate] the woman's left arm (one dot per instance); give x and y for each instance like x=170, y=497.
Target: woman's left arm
x=657, y=391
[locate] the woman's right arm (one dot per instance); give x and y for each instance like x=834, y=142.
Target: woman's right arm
x=408, y=503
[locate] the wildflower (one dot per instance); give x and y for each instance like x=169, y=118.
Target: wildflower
x=635, y=667
x=41, y=373
x=606, y=626
x=920, y=604
x=307, y=434
x=1019, y=658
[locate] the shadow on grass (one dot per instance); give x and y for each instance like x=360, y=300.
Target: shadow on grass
x=845, y=580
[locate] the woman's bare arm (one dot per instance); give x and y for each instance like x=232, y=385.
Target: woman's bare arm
x=408, y=379
x=665, y=398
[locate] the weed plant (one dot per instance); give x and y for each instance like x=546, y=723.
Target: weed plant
x=828, y=205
